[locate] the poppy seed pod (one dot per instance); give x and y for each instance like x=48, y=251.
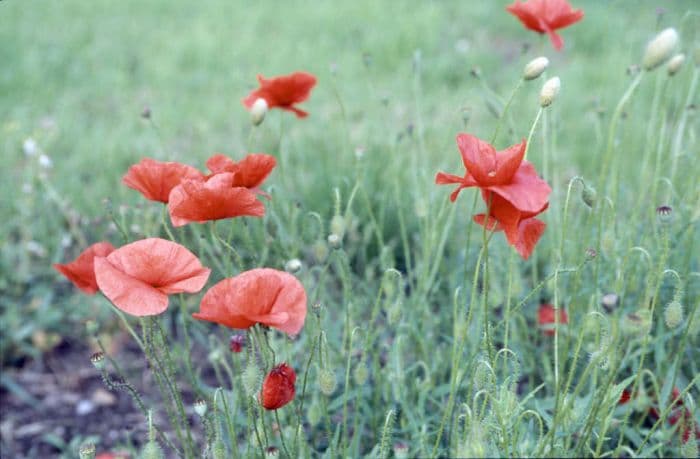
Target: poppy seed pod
x=673, y=314
x=549, y=92
x=200, y=407
x=535, y=68
x=664, y=214
x=258, y=111
x=675, y=64
x=660, y=48
x=272, y=452
x=98, y=360
x=335, y=241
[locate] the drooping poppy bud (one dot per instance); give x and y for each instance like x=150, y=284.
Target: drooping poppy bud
x=549, y=92
x=535, y=68
x=278, y=387
x=675, y=64
x=660, y=48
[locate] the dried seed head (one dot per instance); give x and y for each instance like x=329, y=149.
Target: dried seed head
x=675, y=64
x=327, y=381
x=664, y=214
x=272, y=452
x=660, y=48
x=98, y=360
x=673, y=314
x=258, y=111
x=535, y=68
x=293, y=265
x=549, y=92
x=610, y=301
x=87, y=451
x=589, y=196
x=200, y=407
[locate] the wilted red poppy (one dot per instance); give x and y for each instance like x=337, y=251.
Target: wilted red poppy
x=81, y=271
x=250, y=172
x=266, y=296
x=283, y=91
x=546, y=318
x=509, y=186
x=155, y=179
x=138, y=277
x=546, y=16
x=278, y=387
x=213, y=199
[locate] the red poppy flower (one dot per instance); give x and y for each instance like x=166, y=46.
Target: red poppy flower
x=81, y=271
x=214, y=199
x=283, y=91
x=138, y=277
x=509, y=186
x=266, y=296
x=250, y=172
x=278, y=387
x=546, y=16
x=546, y=318
x=155, y=179
x=625, y=397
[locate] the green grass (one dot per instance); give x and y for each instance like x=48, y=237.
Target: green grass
x=395, y=80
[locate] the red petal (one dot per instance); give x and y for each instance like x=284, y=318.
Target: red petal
x=155, y=179
x=81, y=271
x=527, y=191
x=529, y=232
x=131, y=295
x=478, y=156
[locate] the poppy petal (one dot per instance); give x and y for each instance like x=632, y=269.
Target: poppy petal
x=130, y=295
x=527, y=192
x=529, y=232
x=155, y=179
x=478, y=156
x=81, y=271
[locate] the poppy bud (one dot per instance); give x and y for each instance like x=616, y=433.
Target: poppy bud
x=664, y=214
x=549, y=91
x=278, y=387
x=152, y=450
x=236, y=343
x=200, y=407
x=673, y=314
x=87, y=451
x=400, y=450
x=315, y=412
x=675, y=64
x=360, y=374
x=293, y=265
x=98, y=360
x=338, y=225
x=326, y=381
x=535, y=68
x=588, y=196
x=258, y=111
x=251, y=377
x=320, y=250
x=335, y=241
x=660, y=49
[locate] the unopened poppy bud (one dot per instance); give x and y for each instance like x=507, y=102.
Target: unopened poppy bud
x=549, y=92
x=675, y=64
x=327, y=381
x=535, y=68
x=272, y=452
x=589, y=196
x=660, y=48
x=338, y=225
x=315, y=412
x=152, y=450
x=215, y=355
x=335, y=241
x=360, y=374
x=258, y=111
x=664, y=214
x=293, y=265
x=673, y=314
x=278, y=387
x=320, y=251
x=87, y=451
x=400, y=450
x=200, y=407
x=251, y=377
x=610, y=301
x=236, y=343
x=98, y=360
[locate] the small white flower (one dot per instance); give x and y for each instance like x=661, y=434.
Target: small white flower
x=30, y=147
x=45, y=162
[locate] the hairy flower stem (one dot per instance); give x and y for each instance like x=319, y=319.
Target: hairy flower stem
x=499, y=123
x=281, y=431
x=164, y=223
x=224, y=242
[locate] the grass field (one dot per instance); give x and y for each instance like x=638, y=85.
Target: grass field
x=425, y=353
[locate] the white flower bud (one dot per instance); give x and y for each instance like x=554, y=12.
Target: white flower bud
x=549, y=92
x=675, y=64
x=45, y=162
x=258, y=111
x=30, y=148
x=535, y=68
x=660, y=48
x=293, y=265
